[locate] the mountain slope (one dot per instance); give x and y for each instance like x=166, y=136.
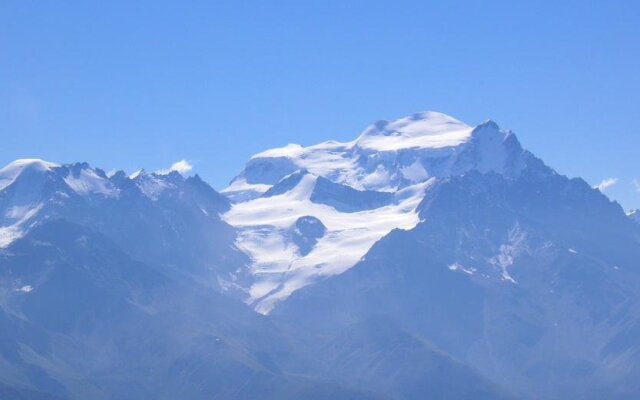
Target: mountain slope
x=532, y=280
x=81, y=319
x=379, y=354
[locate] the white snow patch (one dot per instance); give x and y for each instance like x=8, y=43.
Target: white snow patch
x=19, y=212
x=291, y=150
x=240, y=190
x=378, y=178
x=137, y=173
x=89, y=182
x=515, y=246
x=151, y=185
x=278, y=269
x=21, y=215
x=415, y=172
x=8, y=234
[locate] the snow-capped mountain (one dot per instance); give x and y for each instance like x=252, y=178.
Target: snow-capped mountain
x=387, y=156
x=359, y=191
x=463, y=237
x=424, y=259
x=116, y=286
x=163, y=219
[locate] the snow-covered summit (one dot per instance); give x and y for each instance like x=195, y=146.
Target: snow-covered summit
x=358, y=191
x=13, y=170
x=388, y=155
x=80, y=179
x=420, y=131
x=33, y=190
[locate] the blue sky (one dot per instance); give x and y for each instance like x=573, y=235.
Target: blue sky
x=143, y=84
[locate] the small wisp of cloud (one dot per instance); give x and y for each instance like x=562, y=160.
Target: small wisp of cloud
x=636, y=183
x=606, y=184
x=182, y=167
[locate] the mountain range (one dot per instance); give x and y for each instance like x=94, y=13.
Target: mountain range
x=424, y=259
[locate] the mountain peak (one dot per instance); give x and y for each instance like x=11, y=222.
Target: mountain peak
x=30, y=162
x=137, y=173
x=33, y=191
x=388, y=155
x=13, y=170
x=424, y=130
x=427, y=129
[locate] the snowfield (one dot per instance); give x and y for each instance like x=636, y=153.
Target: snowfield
x=265, y=225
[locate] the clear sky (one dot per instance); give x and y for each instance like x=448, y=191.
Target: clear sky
x=130, y=84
